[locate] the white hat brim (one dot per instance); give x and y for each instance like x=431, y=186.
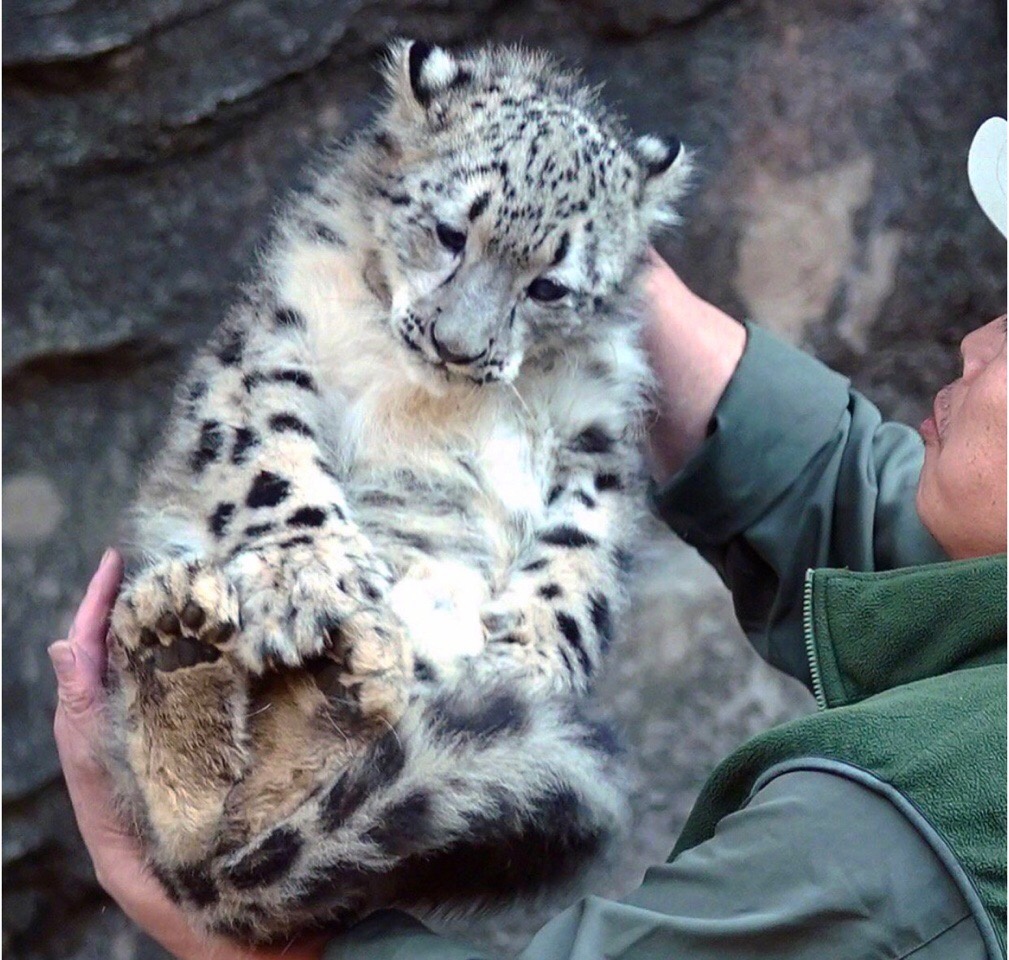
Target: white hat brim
x=986, y=170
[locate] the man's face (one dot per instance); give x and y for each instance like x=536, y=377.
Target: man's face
x=962, y=490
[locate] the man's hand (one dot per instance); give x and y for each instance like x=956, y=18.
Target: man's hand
x=79, y=662
x=694, y=349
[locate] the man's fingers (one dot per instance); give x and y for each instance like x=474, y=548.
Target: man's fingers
x=75, y=687
x=87, y=635
x=78, y=731
x=79, y=663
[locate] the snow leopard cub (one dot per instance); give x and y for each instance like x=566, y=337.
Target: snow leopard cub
x=380, y=554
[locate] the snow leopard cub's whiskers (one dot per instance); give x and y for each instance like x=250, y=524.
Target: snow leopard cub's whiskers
x=386, y=534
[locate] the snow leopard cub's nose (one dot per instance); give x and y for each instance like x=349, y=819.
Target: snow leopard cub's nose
x=451, y=352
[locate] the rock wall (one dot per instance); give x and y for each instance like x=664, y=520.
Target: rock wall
x=146, y=141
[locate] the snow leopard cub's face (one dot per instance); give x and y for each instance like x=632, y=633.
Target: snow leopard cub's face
x=511, y=211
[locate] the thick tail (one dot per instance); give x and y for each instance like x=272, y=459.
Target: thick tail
x=477, y=798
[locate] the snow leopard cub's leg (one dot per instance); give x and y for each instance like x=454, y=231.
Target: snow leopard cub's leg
x=256, y=472
x=257, y=566
x=168, y=630
x=554, y=620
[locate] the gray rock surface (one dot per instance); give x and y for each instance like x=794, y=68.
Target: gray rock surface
x=146, y=141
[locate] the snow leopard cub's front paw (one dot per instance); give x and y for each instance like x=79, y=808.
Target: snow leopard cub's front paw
x=176, y=614
x=324, y=596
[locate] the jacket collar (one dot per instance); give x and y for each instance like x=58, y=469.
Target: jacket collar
x=869, y=632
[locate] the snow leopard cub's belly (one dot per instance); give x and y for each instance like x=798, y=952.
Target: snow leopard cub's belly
x=452, y=529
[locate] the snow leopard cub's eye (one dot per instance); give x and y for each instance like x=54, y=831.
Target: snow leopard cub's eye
x=546, y=291
x=450, y=238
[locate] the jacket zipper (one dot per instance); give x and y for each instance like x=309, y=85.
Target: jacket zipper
x=807, y=629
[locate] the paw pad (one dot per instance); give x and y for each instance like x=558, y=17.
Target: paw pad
x=184, y=652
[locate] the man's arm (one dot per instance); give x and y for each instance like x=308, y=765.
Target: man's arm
x=772, y=464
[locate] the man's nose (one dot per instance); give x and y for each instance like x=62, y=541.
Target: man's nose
x=980, y=346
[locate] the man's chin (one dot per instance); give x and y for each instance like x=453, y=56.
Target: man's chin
x=926, y=505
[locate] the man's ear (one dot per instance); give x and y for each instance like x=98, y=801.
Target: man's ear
x=417, y=72
x=665, y=168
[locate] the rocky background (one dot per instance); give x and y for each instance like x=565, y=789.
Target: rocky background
x=146, y=141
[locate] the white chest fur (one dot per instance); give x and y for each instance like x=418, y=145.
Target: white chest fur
x=512, y=466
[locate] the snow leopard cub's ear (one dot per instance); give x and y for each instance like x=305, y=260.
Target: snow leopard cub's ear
x=665, y=168
x=417, y=72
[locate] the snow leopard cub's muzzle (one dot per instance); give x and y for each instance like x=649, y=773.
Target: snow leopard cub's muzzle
x=465, y=326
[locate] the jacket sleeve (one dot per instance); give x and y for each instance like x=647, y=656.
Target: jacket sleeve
x=798, y=471
x=781, y=878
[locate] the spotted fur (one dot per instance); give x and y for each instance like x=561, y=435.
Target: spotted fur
x=380, y=555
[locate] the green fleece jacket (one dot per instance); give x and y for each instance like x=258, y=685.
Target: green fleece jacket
x=909, y=669
x=877, y=826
